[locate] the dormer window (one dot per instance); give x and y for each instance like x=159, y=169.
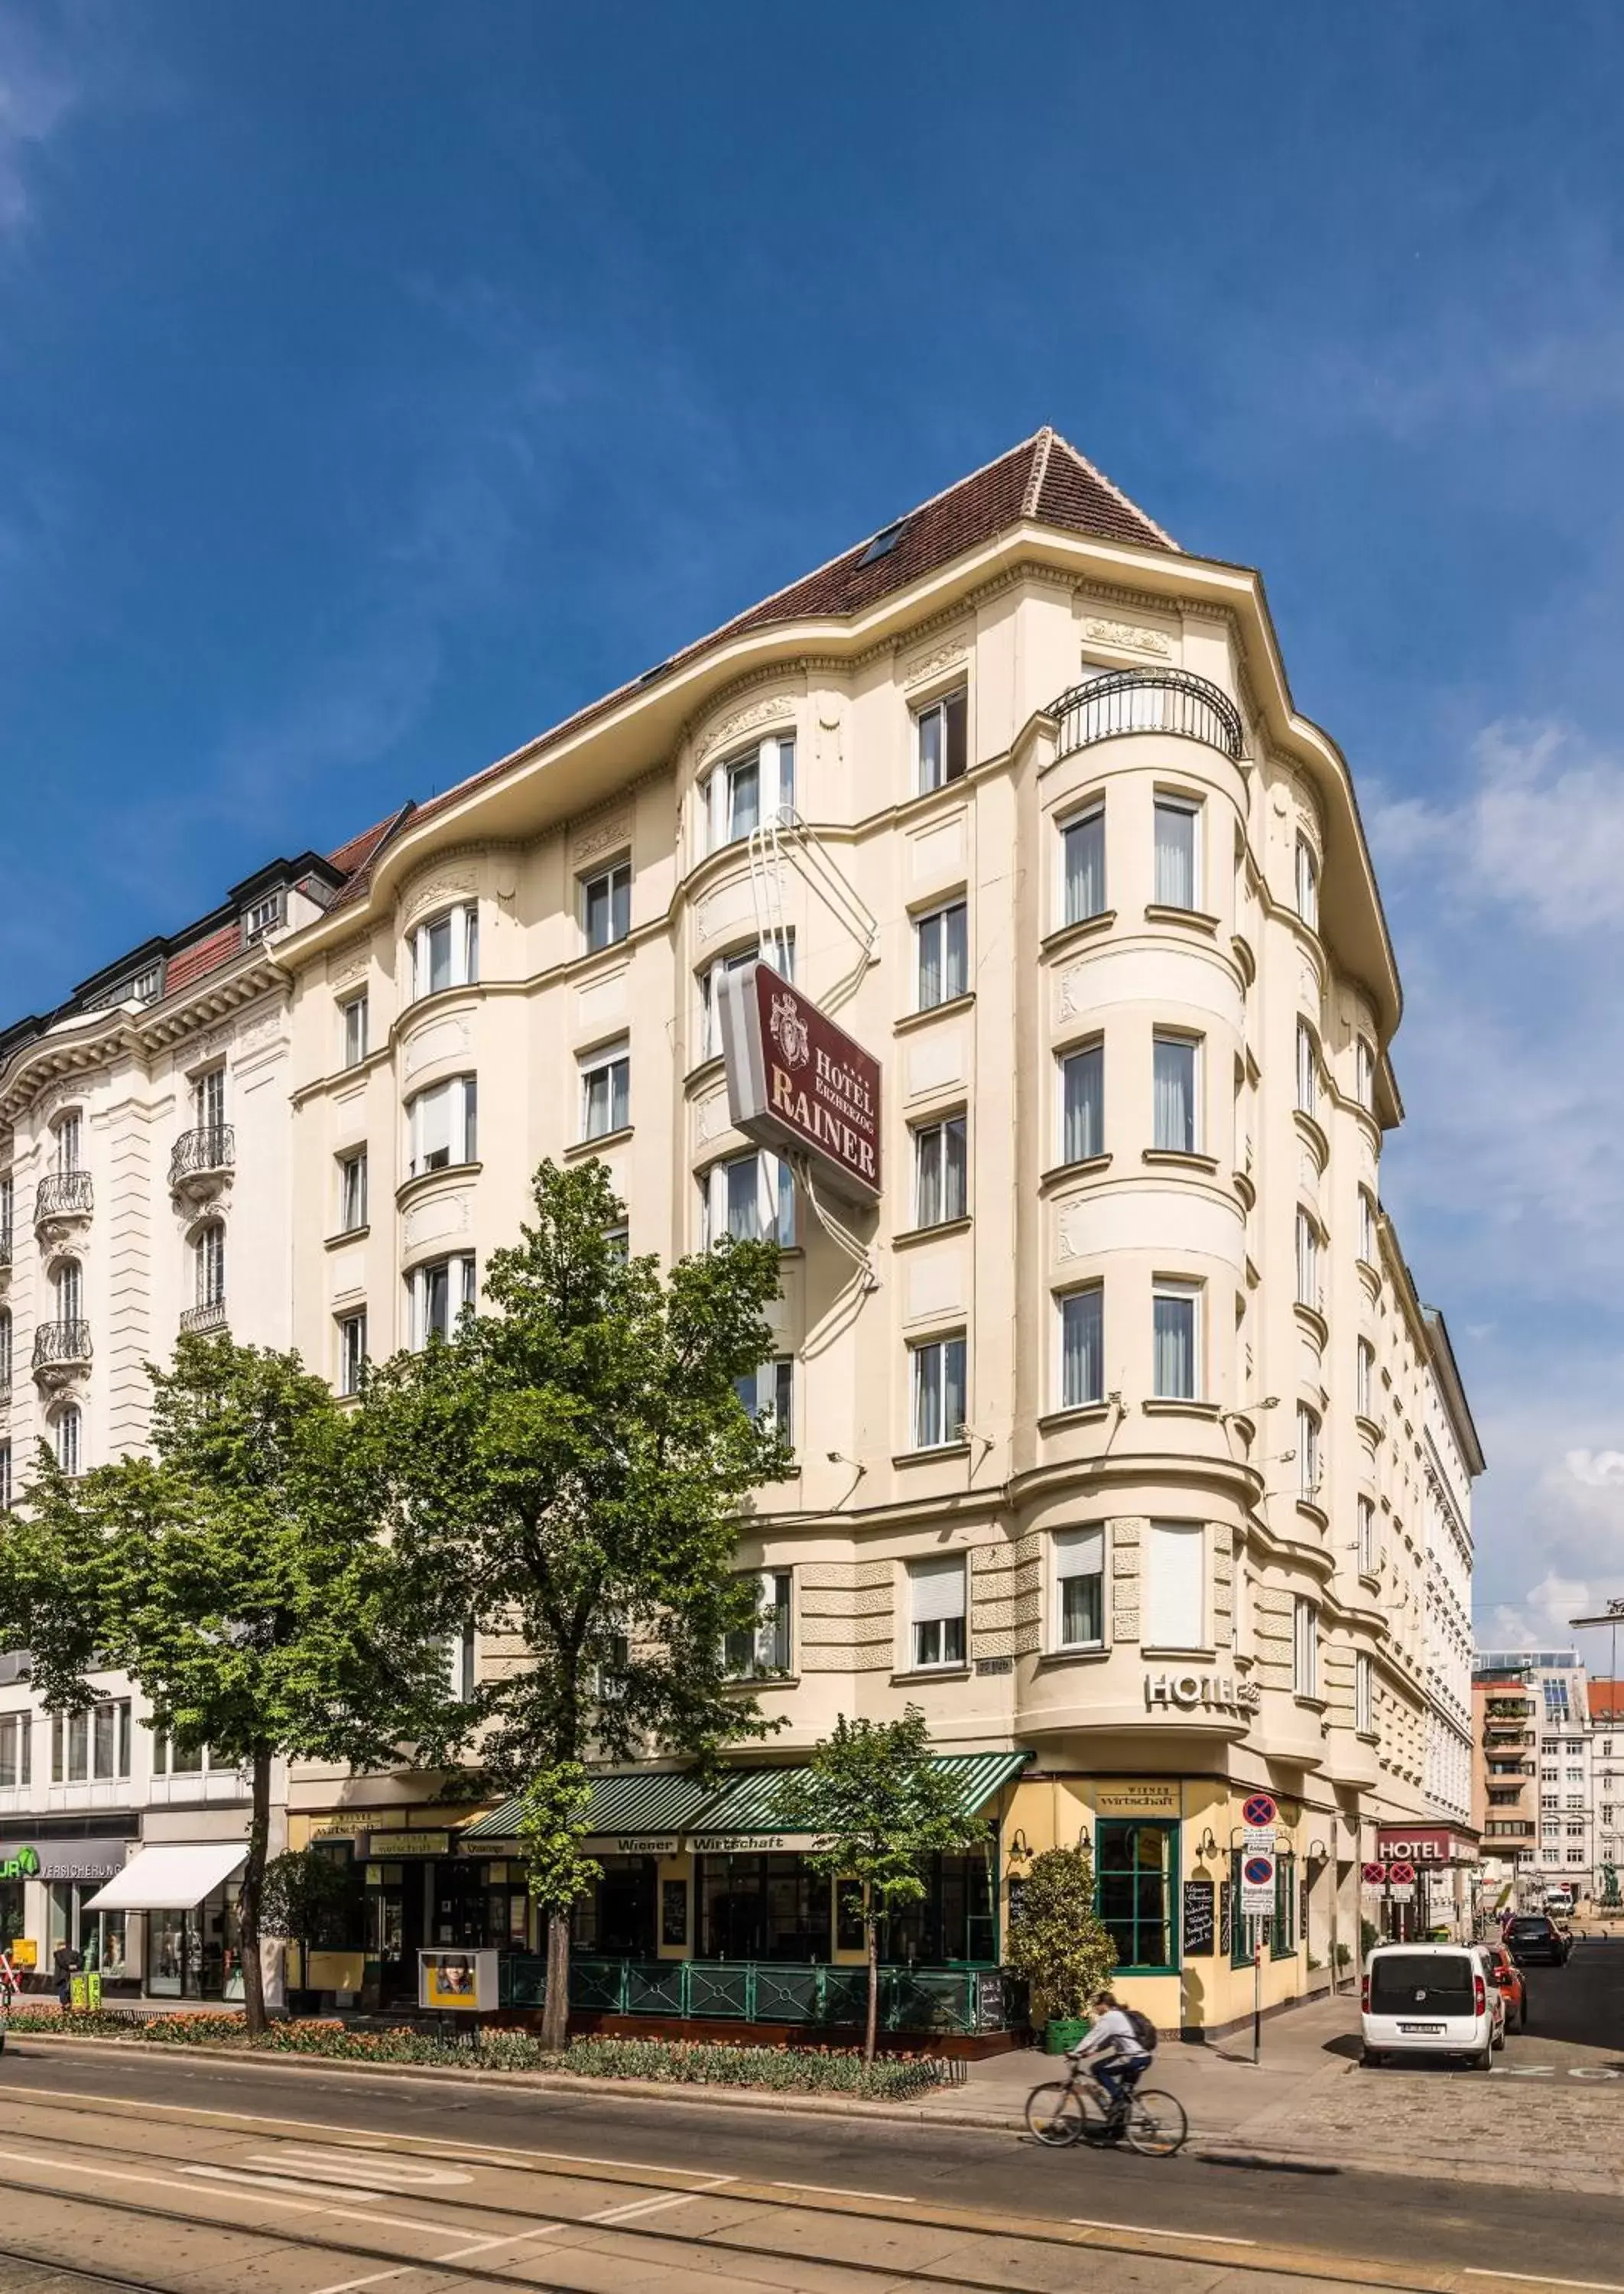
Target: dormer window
x=265, y=915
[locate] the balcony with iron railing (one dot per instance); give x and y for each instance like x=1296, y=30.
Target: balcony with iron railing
x=200, y=1159
x=62, y=1195
x=1123, y=702
x=59, y=1346
x=209, y=1314
x=6, y=1250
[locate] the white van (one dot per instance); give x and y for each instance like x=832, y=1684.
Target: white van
x=1431, y=1999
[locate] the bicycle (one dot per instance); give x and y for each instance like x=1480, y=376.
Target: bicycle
x=1075, y=2110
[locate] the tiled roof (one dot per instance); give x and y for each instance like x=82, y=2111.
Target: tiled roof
x=203, y=955
x=361, y=849
x=1045, y=478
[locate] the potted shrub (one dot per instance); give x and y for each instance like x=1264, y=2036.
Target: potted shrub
x=1059, y=1944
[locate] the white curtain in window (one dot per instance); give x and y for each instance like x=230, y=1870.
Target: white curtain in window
x=1176, y=1610
x=1079, y=1570
x=1081, y=1348
x=1174, y=1346
x=1175, y=855
x=1175, y=1076
x=1082, y=1104
x=1083, y=844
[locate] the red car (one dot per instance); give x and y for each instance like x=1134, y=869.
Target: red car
x=1512, y=1984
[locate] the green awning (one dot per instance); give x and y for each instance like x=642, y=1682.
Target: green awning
x=747, y=1807
x=655, y=1802
x=661, y=1804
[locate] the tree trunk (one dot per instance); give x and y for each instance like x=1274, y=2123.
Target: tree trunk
x=556, y=2009
x=253, y=1888
x=871, y=1928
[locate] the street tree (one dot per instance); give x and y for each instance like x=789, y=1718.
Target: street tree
x=565, y=1475
x=877, y=1808
x=1056, y=1940
x=235, y=1574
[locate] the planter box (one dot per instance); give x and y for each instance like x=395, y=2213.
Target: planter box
x=1062, y=2033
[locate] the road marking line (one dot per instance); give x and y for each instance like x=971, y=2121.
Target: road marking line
x=613, y=2214
x=840, y=2191
x=375, y=2166
x=1533, y=2278
x=59, y=2166
x=508, y=2238
x=1143, y=2230
x=254, y=2180
x=374, y=2278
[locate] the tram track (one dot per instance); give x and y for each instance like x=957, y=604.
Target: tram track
x=629, y=2218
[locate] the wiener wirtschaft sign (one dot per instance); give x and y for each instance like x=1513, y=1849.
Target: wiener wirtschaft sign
x=797, y=1082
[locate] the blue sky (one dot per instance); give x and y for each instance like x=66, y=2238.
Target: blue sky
x=379, y=382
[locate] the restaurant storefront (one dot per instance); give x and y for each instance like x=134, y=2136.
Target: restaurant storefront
x=1424, y=1880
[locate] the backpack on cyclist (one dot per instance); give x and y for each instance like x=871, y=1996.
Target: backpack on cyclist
x=1144, y=2029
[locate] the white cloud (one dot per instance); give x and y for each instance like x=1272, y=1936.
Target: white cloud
x=35, y=98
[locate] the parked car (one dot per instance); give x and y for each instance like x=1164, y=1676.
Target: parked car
x=1431, y=1999
x=1534, y=1937
x=1513, y=1984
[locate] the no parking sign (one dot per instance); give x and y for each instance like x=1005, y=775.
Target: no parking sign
x=1258, y=1817
x=1257, y=1877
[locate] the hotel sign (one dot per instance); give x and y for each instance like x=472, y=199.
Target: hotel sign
x=798, y=1083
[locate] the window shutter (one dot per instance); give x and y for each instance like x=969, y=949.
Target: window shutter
x=938, y=1587
x=1079, y=1552
x=1176, y=1619
x=434, y=1111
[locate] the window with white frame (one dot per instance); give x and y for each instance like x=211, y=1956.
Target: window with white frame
x=1364, y=1695
x=941, y=734
x=208, y=1100
x=1083, y=1347
x=69, y=1285
x=1079, y=1588
x=743, y=792
x=1083, y=1104
x=1364, y=1379
x=1308, y=1261
x=1178, y=855
x=461, y=1661
x=750, y=1197
x=606, y=906
x=208, y=1261
x=445, y=950
x=940, y=1171
x=764, y=1647
x=1082, y=865
x=16, y=1750
x=776, y=950
x=1305, y=1648
x=68, y=1137
x=264, y=915
x=1367, y=1226
x=442, y=1125
x=6, y=1476
x=1175, y=1609
x=69, y=1436
x=942, y=945
x=1367, y=1560
x=767, y=1393
x=606, y=1091
x=1364, y=1072
x=1175, y=1341
x=1176, y=1061
x=352, y=1352
x=352, y=1019
x=1308, y=884
x=1308, y=1452
x=353, y=1190
x=938, y=1392
x=8, y=1205
x=437, y=1293
x=91, y=1744
x=5, y=1349
x=937, y=1611
x=1307, y=1069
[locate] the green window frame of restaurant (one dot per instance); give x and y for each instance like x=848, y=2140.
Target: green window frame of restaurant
x=1282, y=1927
x=1136, y=1891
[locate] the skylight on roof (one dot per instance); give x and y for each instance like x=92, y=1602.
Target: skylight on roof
x=883, y=542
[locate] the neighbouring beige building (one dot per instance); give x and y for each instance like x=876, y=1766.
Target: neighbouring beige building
x=1111, y=1420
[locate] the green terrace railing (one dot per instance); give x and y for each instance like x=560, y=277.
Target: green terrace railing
x=946, y=1999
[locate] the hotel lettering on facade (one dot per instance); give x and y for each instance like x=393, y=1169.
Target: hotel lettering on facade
x=1117, y=1417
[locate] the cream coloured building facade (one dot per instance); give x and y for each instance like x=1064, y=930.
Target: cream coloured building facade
x=1111, y=1420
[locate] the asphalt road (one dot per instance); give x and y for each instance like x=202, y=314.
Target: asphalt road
x=160, y=2173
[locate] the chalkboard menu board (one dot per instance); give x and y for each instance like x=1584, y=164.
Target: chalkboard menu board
x=1200, y=1923
x=1226, y=1919
x=673, y=1911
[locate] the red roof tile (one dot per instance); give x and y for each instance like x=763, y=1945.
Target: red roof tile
x=1044, y=478
x=203, y=955
x=361, y=849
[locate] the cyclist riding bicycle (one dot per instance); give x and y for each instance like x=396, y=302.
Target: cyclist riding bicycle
x=1116, y=2052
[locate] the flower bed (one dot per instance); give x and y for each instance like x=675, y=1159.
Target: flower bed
x=784, y=2070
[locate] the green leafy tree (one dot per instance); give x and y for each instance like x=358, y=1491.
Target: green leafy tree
x=236, y=1576
x=553, y=1823
x=566, y=1472
x=312, y=1898
x=1056, y=1940
x=877, y=1807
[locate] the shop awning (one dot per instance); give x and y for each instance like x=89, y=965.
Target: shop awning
x=747, y=1808
x=657, y=1802
x=174, y=1877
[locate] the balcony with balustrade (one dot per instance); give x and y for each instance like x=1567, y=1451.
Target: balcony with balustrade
x=62, y=1352
x=62, y=1203
x=203, y=1161
x=1124, y=702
